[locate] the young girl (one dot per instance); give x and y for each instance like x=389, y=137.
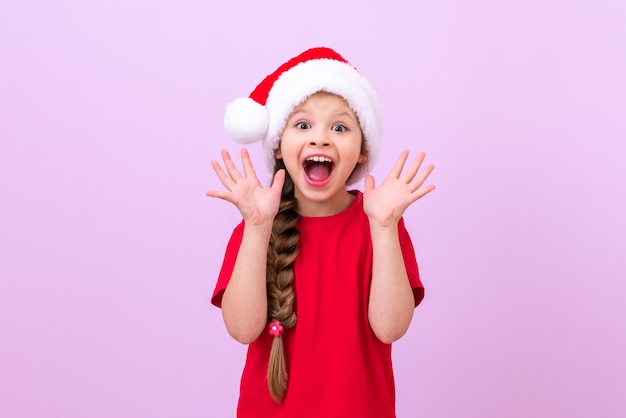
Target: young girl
x=318, y=279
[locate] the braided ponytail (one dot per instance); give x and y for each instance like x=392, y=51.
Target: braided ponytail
x=281, y=253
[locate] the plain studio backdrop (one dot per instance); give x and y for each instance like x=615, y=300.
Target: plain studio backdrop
x=110, y=112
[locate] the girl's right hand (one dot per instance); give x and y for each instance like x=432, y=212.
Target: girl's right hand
x=257, y=204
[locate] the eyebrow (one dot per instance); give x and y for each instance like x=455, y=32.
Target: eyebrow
x=343, y=113
x=298, y=112
x=337, y=114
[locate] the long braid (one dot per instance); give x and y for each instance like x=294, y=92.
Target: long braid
x=281, y=253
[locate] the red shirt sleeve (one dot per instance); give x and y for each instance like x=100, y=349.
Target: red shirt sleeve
x=232, y=249
x=408, y=252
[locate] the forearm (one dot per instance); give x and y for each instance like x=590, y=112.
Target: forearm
x=244, y=304
x=391, y=302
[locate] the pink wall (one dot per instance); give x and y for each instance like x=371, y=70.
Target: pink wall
x=111, y=111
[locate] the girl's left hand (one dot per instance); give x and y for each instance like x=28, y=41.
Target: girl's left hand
x=385, y=205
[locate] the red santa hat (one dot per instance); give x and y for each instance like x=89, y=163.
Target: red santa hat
x=262, y=116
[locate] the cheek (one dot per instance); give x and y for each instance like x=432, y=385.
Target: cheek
x=356, y=147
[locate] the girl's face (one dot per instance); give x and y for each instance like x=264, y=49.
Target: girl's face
x=320, y=146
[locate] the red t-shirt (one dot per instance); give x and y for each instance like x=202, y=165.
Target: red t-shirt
x=337, y=367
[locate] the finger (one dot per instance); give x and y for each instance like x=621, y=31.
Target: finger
x=422, y=192
x=220, y=195
x=410, y=173
x=233, y=172
x=369, y=183
x=221, y=174
x=396, y=170
x=417, y=182
x=248, y=168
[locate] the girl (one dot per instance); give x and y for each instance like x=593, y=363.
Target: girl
x=318, y=279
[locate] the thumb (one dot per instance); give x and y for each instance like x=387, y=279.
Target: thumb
x=369, y=183
x=279, y=180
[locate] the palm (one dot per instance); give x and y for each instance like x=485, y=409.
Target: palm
x=257, y=204
x=385, y=205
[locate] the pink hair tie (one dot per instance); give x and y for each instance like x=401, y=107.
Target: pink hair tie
x=275, y=328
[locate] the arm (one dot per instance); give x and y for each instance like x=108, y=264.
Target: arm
x=244, y=303
x=391, y=303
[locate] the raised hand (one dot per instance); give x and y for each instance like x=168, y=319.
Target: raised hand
x=257, y=204
x=385, y=205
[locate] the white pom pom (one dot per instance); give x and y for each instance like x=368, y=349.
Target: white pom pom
x=246, y=120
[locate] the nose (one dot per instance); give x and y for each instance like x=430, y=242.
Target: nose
x=323, y=143
x=319, y=140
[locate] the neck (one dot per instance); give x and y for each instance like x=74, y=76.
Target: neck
x=324, y=206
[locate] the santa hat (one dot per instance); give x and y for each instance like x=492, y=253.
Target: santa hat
x=262, y=116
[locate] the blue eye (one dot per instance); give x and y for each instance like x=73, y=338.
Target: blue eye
x=339, y=128
x=303, y=125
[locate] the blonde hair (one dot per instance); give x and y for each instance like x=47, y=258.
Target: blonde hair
x=281, y=253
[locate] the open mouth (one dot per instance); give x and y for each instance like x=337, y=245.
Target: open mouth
x=318, y=168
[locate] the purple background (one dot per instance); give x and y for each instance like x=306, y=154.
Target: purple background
x=110, y=112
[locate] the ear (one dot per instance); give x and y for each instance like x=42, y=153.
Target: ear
x=362, y=158
x=277, y=154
